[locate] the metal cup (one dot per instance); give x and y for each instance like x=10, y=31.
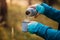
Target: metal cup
x=24, y=26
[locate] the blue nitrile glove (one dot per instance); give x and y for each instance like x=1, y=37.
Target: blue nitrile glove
x=34, y=26
x=40, y=9
x=43, y=31
x=34, y=9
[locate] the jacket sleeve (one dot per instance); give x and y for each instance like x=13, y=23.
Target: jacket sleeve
x=44, y=31
x=51, y=12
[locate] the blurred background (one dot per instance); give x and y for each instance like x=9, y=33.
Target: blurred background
x=12, y=13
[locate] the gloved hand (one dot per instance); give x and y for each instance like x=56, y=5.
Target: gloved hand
x=32, y=27
x=25, y=25
x=36, y=27
x=34, y=9
x=40, y=9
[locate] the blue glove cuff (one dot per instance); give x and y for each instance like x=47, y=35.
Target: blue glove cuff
x=40, y=9
x=32, y=27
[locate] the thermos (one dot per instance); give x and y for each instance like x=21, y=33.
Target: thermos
x=31, y=12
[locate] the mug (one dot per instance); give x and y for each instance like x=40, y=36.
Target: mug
x=24, y=26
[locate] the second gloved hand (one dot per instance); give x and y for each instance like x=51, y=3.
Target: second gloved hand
x=34, y=26
x=34, y=9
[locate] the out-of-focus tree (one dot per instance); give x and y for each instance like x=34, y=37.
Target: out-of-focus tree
x=3, y=12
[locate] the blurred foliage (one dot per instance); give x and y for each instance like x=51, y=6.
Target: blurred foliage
x=5, y=34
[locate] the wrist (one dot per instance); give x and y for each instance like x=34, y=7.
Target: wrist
x=32, y=27
x=40, y=9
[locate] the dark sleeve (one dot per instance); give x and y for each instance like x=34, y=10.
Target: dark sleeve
x=51, y=12
x=47, y=32
x=43, y=31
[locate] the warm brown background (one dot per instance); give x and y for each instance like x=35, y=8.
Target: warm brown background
x=16, y=14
